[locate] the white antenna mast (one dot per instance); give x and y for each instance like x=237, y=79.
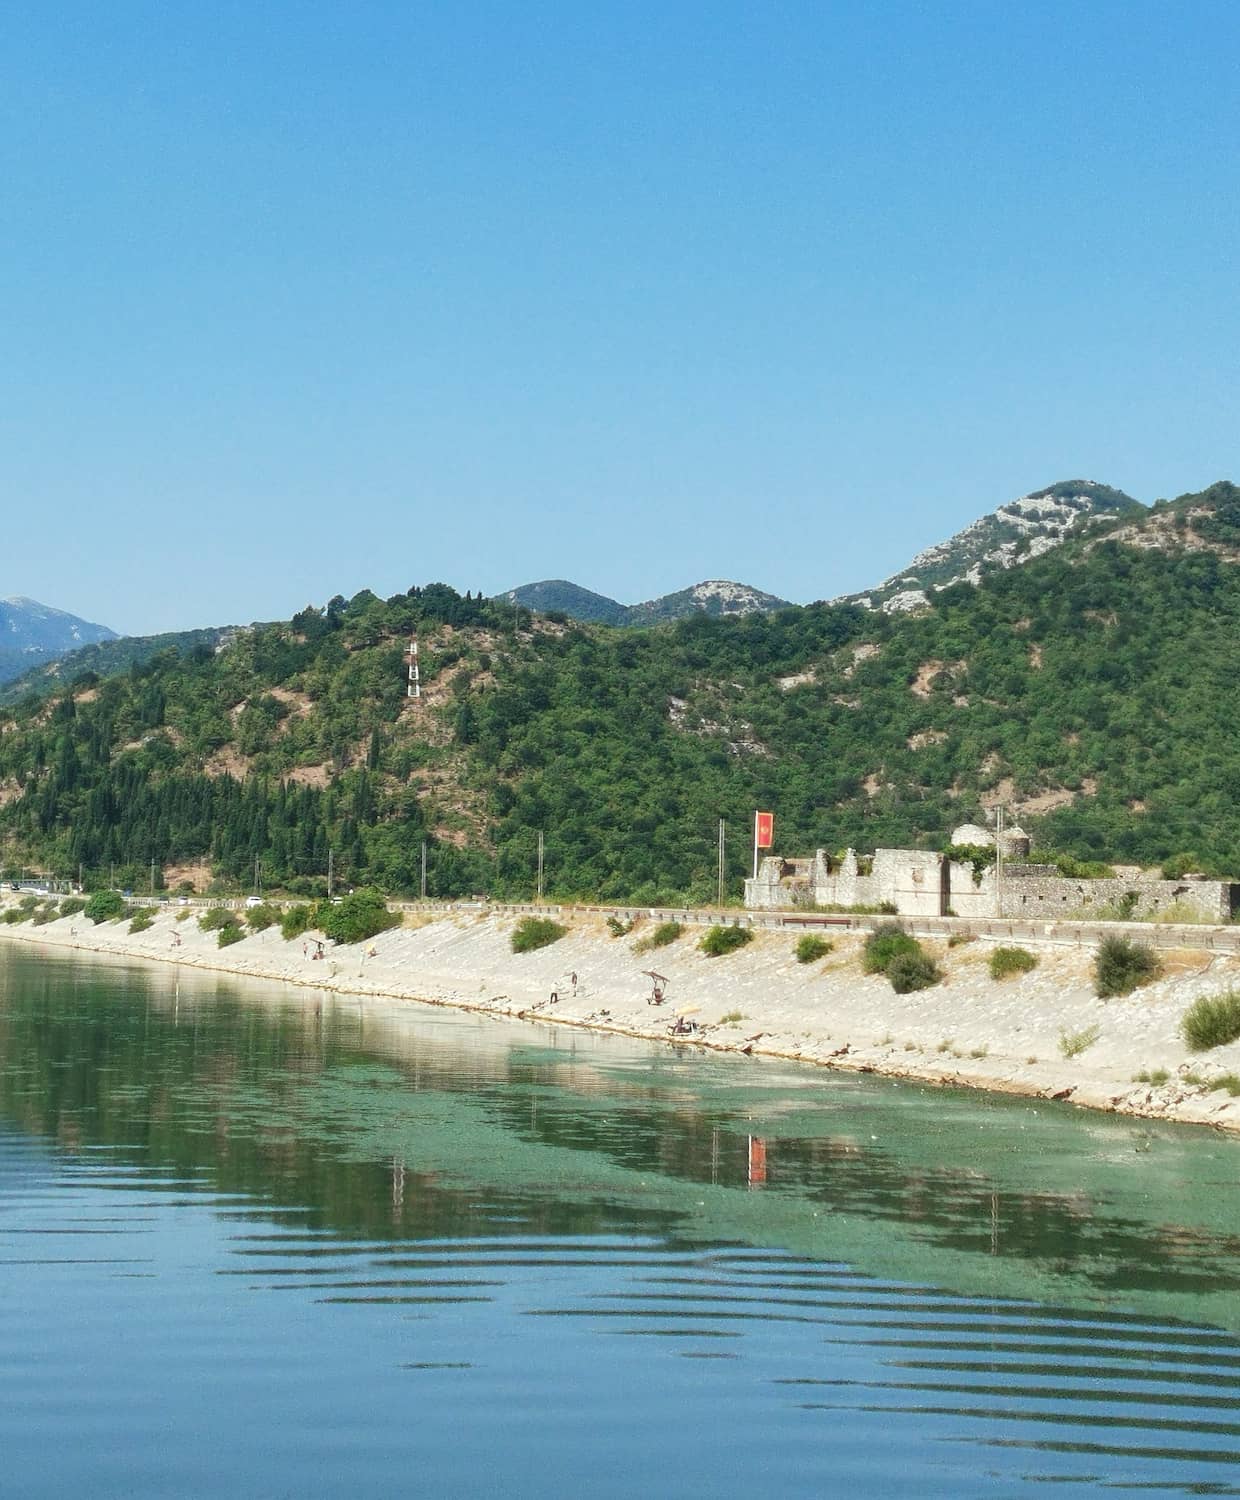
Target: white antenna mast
x=415, y=681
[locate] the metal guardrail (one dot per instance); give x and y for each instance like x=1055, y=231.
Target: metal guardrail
x=1215, y=939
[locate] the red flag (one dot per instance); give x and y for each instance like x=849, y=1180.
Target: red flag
x=764, y=830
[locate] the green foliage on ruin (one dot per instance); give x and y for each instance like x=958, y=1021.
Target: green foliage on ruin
x=980, y=856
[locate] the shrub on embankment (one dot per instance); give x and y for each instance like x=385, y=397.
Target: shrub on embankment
x=811, y=947
x=659, y=937
x=215, y=919
x=664, y=933
x=532, y=933
x=1212, y=1021
x=104, y=906
x=1122, y=965
x=295, y=921
x=716, y=941
x=891, y=951
x=356, y=917
x=913, y=971
x=1004, y=962
x=886, y=942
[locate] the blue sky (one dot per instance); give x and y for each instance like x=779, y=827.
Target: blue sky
x=301, y=299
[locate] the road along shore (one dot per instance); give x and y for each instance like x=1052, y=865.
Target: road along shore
x=1043, y=1033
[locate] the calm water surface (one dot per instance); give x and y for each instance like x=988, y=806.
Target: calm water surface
x=255, y=1242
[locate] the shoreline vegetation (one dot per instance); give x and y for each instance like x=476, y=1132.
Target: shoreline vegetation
x=1040, y=1030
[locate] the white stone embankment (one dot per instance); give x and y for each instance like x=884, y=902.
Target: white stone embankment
x=1011, y=1035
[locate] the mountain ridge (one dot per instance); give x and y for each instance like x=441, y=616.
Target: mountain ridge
x=1011, y=534
x=713, y=596
x=32, y=632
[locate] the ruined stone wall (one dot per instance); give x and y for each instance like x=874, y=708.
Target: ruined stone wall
x=967, y=897
x=910, y=879
x=922, y=884
x=768, y=891
x=1057, y=896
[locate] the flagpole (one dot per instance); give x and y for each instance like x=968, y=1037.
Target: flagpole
x=755, y=846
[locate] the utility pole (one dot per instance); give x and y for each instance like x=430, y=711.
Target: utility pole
x=999, y=860
x=258, y=875
x=423, y=869
x=540, y=865
x=330, y=863
x=723, y=834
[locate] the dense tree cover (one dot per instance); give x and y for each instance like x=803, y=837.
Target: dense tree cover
x=1101, y=674
x=100, y=659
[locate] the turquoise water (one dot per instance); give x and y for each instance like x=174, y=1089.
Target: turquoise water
x=255, y=1242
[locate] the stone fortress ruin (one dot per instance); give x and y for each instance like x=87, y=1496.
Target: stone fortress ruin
x=922, y=883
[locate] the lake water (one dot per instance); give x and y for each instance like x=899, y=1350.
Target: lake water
x=260, y=1242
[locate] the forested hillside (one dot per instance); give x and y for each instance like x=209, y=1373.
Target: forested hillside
x=104, y=658
x=1093, y=690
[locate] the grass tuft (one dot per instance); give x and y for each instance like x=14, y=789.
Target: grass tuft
x=811, y=947
x=1211, y=1021
x=1073, y=1043
x=1004, y=962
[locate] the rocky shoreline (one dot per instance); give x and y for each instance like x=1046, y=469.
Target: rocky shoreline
x=1042, y=1034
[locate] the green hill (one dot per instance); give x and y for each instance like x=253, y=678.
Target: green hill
x=557, y=595
x=714, y=597
x=1092, y=690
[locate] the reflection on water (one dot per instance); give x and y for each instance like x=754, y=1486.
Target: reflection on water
x=253, y=1242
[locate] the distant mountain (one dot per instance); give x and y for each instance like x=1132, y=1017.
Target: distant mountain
x=1016, y=532
x=716, y=596
x=570, y=599
x=31, y=633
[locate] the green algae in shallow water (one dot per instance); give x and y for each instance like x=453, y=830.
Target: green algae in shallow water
x=308, y=1102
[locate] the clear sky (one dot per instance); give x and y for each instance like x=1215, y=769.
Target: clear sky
x=297, y=299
